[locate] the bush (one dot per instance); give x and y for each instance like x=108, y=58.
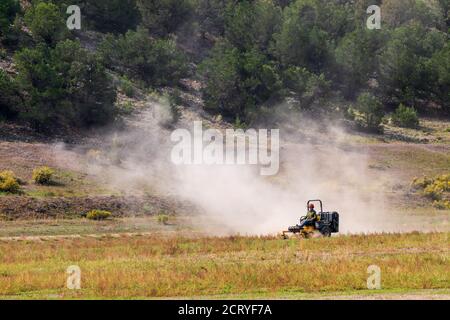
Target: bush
x=433, y=192
x=175, y=98
x=405, y=117
x=8, y=11
x=9, y=97
x=433, y=188
x=441, y=204
x=352, y=65
x=303, y=39
x=443, y=181
x=46, y=23
x=127, y=87
x=163, y=218
x=126, y=108
x=440, y=69
x=236, y=82
x=421, y=183
x=157, y=62
x=371, y=112
x=65, y=86
x=8, y=182
x=222, y=91
x=210, y=15
x=162, y=17
x=98, y=215
x=402, y=12
x=250, y=24
x=43, y=175
x=309, y=89
x=404, y=64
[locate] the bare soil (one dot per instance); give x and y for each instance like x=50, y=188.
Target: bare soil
x=15, y=207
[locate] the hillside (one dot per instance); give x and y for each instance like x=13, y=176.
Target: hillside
x=90, y=170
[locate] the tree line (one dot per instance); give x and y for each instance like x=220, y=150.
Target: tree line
x=251, y=55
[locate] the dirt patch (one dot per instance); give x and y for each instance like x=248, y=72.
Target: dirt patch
x=19, y=207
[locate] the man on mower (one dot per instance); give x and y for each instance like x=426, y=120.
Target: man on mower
x=311, y=217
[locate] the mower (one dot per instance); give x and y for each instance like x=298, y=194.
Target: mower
x=325, y=224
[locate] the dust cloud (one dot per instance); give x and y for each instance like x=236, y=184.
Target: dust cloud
x=248, y=203
x=315, y=163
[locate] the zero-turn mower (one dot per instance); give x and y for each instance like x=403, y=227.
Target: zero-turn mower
x=324, y=224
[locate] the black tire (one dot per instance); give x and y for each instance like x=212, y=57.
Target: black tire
x=326, y=232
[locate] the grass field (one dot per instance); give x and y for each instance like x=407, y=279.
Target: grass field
x=133, y=256
x=158, y=266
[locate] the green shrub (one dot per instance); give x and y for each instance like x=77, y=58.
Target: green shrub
x=405, y=117
x=353, y=67
x=210, y=15
x=46, y=23
x=162, y=218
x=433, y=192
x=371, y=112
x=433, y=188
x=441, y=204
x=127, y=87
x=65, y=86
x=98, y=215
x=157, y=62
x=126, y=108
x=175, y=98
x=404, y=74
x=43, y=175
x=443, y=182
x=162, y=17
x=301, y=40
x=175, y=101
x=421, y=183
x=9, y=97
x=250, y=24
x=8, y=182
x=239, y=124
x=310, y=89
x=8, y=11
x=237, y=82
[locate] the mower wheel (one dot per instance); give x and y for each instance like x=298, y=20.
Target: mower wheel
x=326, y=232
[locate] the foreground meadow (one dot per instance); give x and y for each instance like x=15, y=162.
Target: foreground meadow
x=158, y=266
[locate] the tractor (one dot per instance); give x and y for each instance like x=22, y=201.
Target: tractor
x=325, y=224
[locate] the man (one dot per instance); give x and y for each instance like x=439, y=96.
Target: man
x=311, y=217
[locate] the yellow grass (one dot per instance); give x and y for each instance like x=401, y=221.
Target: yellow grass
x=152, y=266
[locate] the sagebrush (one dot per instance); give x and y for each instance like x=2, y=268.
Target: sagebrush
x=8, y=182
x=43, y=175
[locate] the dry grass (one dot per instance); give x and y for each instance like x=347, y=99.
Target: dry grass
x=155, y=266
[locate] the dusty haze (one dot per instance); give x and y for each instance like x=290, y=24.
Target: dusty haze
x=314, y=165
